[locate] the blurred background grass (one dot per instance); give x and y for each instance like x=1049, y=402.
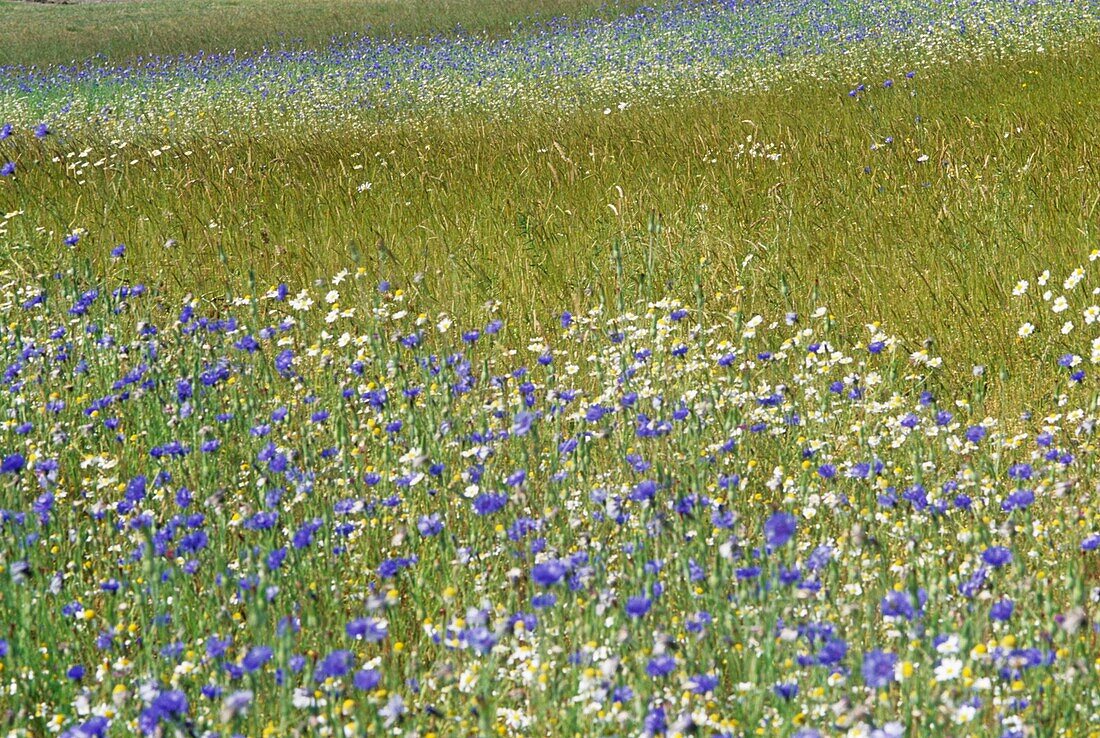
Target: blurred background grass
x=50, y=33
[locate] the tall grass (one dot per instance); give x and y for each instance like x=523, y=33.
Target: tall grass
x=790, y=196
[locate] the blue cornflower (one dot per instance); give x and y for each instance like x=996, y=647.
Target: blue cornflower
x=366, y=680
x=488, y=503
x=1002, y=610
x=997, y=556
x=1019, y=499
x=167, y=706
x=333, y=666
x=549, y=573
x=703, y=683
x=660, y=666
x=13, y=464
x=899, y=605
x=878, y=668
x=430, y=525
x=256, y=657
x=368, y=629
x=779, y=528
x=637, y=607
x=522, y=423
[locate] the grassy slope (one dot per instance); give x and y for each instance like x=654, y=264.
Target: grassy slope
x=45, y=33
x=929, y=248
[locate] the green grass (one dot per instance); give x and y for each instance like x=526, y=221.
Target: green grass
x=37, y=33
x=530, y=212
x=710, y=208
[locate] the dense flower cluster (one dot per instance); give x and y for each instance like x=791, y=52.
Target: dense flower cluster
x=668, y=50
x=317, y=510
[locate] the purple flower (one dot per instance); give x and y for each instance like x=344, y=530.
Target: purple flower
x=703, y=683
x=522, y=423
x=637, y=607
x=488, y=503
x=1002, y=610
x=8, y=169
x=1019, y=499
x=366, y=679
x=997, y=556
x=12, y=464
x=333, y=666
x=660, y=666
x=256, y=657
x=548, y=573
x=369, y=629
x=787, y=691
x=878, y=668
x=430, y=525
x=898, y=605
x=779, y=529
x=975, y=433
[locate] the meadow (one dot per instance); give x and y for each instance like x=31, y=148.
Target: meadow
x=710, y=368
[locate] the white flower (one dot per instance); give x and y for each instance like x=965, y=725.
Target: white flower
x=1025, y=330
x=302, y=302
x=444, y=324
x=1074, y=278
x=965, y=713
x=1092, y=312
x=948, y=669
x=332, y=297
x=950, y=645
x=1060, y=305
x=1067, y=327
x=514, y=719
x=1020, y=288
x=1044, y=278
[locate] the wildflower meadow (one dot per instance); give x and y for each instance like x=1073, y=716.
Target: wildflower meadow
x=712, y=368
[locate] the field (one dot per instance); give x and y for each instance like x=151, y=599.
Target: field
x=712, y=368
